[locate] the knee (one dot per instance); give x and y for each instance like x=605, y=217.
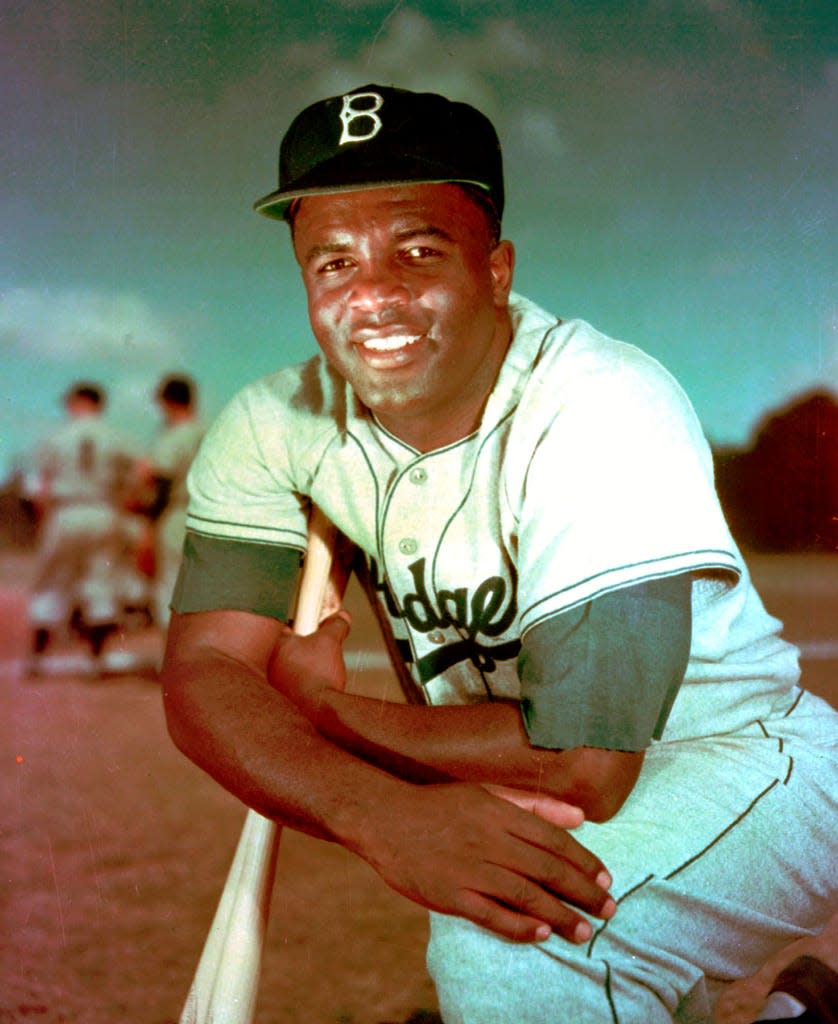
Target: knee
x=481, y=979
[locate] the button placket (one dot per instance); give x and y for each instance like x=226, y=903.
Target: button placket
x=410, y=528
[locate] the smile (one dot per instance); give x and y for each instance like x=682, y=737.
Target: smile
x=389, y=343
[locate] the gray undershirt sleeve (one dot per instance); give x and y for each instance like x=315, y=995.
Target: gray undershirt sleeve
x=606, y=674
x=217, y=574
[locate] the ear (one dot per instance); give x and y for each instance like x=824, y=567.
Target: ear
x=501, y=267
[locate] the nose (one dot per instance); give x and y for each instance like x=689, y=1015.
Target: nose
x=377, y=285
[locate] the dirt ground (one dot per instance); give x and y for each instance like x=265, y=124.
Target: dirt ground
x=115, y=849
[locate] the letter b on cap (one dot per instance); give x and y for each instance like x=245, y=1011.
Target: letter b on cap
x=356, y=108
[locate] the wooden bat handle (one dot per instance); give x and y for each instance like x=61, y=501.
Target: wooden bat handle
x=226, y=981
x=411, y=690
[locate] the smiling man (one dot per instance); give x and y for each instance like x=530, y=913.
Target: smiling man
x=535, y=506
x=408, y=299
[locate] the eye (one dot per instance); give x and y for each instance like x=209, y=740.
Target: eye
x=420, y=253
x=333, y=265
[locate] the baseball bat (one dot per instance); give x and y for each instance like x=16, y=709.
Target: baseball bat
x=411, y=690
x=226, y=981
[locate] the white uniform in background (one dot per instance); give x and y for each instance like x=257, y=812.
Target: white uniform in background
x=80, y=472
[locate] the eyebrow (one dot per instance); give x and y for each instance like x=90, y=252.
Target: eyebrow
x=324, y=249
x=423, y=230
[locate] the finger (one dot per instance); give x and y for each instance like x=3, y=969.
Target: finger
x=557, y=812
x=554, y=893
x=503, y=921
x=549, y=883
x=558, y=846
x=521, y=917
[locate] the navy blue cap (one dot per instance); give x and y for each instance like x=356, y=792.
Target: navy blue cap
x=378, y=136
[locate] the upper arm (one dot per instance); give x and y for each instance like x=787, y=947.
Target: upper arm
x=597, y=686
x=221, y=573
x=636, y=496
x=228, y=634
x=229, y=603
x=605, y=674
x=211, y=658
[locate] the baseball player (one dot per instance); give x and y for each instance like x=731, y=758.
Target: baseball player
x=165, y=474
x=616, y=796
x=80, y=473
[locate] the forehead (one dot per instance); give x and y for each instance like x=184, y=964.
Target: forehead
x=396, y=206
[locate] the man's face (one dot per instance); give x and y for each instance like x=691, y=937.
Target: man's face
x=407, y=298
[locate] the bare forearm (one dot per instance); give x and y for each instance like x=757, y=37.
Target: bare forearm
x=260, y=747
x=456, y=848
x=475, y=743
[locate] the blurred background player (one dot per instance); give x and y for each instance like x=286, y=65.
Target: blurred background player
x=165, y=476
x=80, y=475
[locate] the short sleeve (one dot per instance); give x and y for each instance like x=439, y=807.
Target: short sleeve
x=606, y=673
x=617, y=487
x=217, y=573
x=241, y=484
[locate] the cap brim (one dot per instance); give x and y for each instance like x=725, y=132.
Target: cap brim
x=276, y=204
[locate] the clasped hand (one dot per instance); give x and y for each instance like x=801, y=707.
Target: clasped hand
x=302, y=667
x=499, y=856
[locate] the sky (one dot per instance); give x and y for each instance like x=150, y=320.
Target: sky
x=671, y=173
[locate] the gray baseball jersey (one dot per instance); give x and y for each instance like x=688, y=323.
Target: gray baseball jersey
x=589, y=473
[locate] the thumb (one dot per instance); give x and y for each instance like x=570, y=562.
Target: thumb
x=337, y=626
x=550, y=808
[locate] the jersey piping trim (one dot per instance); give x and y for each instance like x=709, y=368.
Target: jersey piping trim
x=415, y=451
x=779, y=740
x=483, y=657
x=609, y=994
x=687, y=863
x=289, y=537
x=621, y=899
x=497, y=426
x=724, y=832
x=672, y=565
x=362, y=452
x=607, y=987
x=797, y=700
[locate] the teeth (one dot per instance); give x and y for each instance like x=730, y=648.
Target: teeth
x=390, y=343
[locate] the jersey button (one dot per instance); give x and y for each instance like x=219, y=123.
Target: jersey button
x=418, y=475
x=435, y=637
x=408, y=546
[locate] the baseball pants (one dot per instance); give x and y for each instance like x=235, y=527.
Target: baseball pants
x=75, y=563
x=724, y=852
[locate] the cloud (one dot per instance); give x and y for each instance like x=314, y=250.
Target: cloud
x=404, y=48
x=71, y=325
x=50, y=337
x=411, y=50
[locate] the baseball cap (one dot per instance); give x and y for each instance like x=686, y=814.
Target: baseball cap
x=378, y=135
